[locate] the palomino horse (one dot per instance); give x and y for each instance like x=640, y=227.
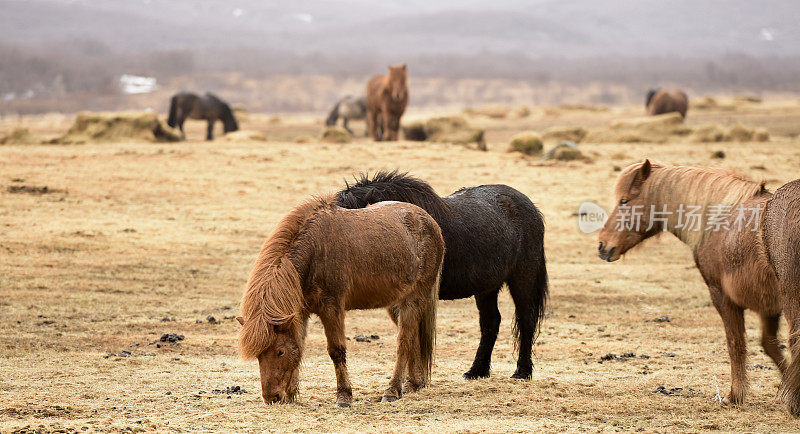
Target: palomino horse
x=188, y=105
x=666, y=101
x=719, y=215
x=348, y=108
x=494, y=235
x=387, y=98
x=324, y=260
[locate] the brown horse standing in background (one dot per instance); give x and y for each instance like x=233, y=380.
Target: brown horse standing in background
x=387, y=98
x=732, y=258
x=324, y=260
x=666, y=101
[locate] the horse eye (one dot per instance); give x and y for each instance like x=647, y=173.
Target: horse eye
x=623, y=201
x=280, y=353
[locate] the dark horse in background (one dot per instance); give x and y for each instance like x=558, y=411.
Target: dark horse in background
x=493, y=235
x=189, y=105
x=348, y=108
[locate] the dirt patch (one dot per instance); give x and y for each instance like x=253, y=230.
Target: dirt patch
x=32, y=189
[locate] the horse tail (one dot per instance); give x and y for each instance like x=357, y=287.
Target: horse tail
x=334, y=115
x=427, y=326
x=173, y=112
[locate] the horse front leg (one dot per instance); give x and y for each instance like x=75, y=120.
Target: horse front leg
x=372, y=124
x=344, y=124
x=733, y=320
x=333, y=323
x=210, y=130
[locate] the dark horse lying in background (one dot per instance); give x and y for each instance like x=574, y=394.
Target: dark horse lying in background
x=493, y=235
x=348, y=108
x=189, y=105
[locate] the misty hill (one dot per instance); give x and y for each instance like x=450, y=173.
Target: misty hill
x=570, y=28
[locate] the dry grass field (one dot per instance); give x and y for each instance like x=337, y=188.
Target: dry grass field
x=131, y=241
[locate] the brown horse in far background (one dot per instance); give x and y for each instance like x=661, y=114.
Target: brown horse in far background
x=185, y=105
x=387, y=98
x=748, y=258
x=666, y=101
x=325, y=260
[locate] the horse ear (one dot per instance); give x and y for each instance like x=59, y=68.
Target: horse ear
x=645, y=170
x=240, y=319
x=404, y=67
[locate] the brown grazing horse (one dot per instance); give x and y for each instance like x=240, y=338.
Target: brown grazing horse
x=324, y=260
x=387, y=98
x=666, y=101
x=208, y=107
x=719, y=215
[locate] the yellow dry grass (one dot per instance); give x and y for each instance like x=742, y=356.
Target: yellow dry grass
x=141, y=239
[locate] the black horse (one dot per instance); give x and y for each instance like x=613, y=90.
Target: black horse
x=493, y=235
x=189, y=105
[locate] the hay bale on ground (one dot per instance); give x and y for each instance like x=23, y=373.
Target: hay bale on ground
x=119, y=126
x=245, y=136
x=453, y=129
x=708, y=134
x=572, y=134
x=740, y=133
x=565, y=151
x=19, y=136
x=520, y=112
x=528, y=143
x=335, y=135
x=651, y=129
x=761, y=135
x=489, y=111
x=705, y=103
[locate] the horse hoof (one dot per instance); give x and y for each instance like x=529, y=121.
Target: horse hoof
x=388, y=398
x=522, y=376
x=343, y=404
x=471, y=375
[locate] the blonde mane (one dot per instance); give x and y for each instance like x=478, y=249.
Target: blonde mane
x=691, y=186
x=274, y=294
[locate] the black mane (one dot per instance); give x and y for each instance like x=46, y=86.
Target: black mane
x=650, y=94
x=393, y=185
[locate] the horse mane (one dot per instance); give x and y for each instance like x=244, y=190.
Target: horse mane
x=650, y=94
x=274, y=294
x=696, y=186
x=393, y=185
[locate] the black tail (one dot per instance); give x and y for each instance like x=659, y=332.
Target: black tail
x=173, y=112
x=334, y=116
x=393, y=185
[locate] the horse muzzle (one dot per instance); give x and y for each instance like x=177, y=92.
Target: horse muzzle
x=606, y=255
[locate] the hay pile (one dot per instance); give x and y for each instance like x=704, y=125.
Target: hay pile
x=118, y=127
x=737, y=133
x=528, y=143
x=245, y=136
x=19, y=136
x=651, y=129
x=669, y=127
x=489, y=111
x=445, y=129
x=565, y=151
x=558, y=134
x=335, y=135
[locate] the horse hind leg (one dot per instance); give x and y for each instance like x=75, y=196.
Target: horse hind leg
x=790, y=295
x=489, y=320
x=528, y=289
x=344, y=124
x=769, y=340
x=408, y=319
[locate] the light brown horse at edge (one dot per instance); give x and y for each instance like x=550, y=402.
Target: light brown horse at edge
x=737, y=261
x=387, y=98
x=325, y=260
